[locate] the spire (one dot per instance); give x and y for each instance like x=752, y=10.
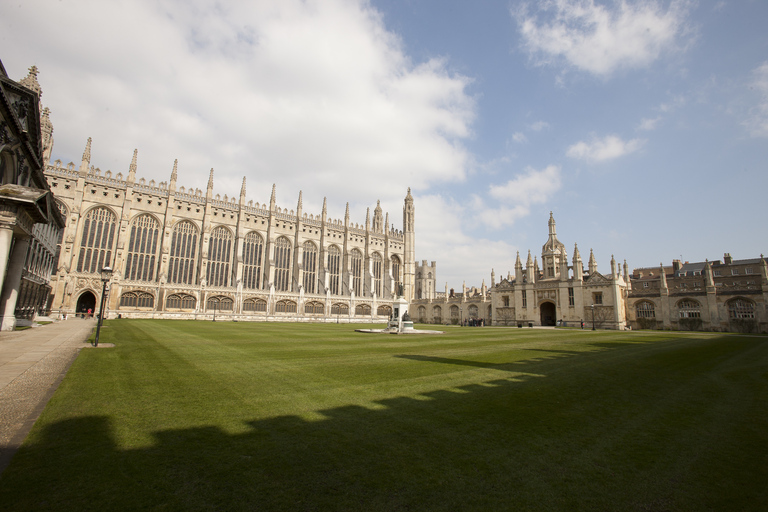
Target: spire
x=132, y=167
x=613, y=267
x=346, y=215
x=529, y=262
x=709, y=278
x=30, y=81
x=299, y=206
x=325, y=208
x=493, y=278
x=46, y=130
x=552, y=224
x=242, y=189
x=626, y=272
x=174, y=176
x=378, y=219
x=368, y=219
x=592, y=263
x=86, y=158
x=386, y=225
x=578, y=265
x=663, y=278
x=210, y=180
x=272, y=201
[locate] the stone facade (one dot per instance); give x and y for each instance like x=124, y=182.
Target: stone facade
x=556, y=293
x=30, y=224
x=728, y=295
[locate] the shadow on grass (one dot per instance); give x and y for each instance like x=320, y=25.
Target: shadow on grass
x=515, y=443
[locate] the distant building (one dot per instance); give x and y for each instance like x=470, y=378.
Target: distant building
x=30, y=223
x=727, y=295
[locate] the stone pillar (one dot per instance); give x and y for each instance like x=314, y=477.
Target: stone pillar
x=11, y=284
x=6, y=237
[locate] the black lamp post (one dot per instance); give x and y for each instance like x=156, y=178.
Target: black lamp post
x=106, y=275
x=593, y=317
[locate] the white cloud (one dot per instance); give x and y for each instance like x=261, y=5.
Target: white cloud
x=649, y=124
x=607, y=148
x=601, y=39
x=312, y=95
x=758, y=120
x=519, y=137
x=539, y=126
x=518, y=195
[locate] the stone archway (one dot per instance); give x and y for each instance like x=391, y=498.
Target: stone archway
x=85, y=302
x=548, y=313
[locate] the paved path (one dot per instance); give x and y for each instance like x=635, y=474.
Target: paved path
x=33, y=363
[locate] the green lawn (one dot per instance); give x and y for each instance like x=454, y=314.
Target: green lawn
x=256, y=416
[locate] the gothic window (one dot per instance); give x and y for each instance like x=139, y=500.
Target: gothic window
x=180, y=301
x=283, y=265
x=314, y=308
x=396, y=277
x=219, y=303
x=137, y=300
x=357, y=272
x=182, y=268
x=384, y=311
x=571, y=299
x=645, y=309
x=505, y=300
x=437, y=314
x=472, y=311
x=422, y=314
x=97, y=240
x=377, y=272
x=525, y=298
x=741, y=308
x=689, y=309
x=454, y=311
x=310, y=267
x=340, y=309
x=363, y=310
x=253, y=251
x=142, y=249
x=597, y=298
x=285, y=306
x=219, y=257
x=334, y=265
x=253, y=305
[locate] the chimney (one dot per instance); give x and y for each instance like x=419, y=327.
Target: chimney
x=727, y=258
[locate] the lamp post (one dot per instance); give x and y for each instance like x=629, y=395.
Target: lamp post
x=106, y=275
x=593, y=317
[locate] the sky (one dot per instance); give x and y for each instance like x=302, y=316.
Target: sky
x=642, y=125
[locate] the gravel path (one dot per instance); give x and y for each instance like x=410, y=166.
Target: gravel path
x=33, y=363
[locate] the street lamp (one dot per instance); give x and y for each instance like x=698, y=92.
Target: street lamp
x=106, y=275
x=593, y=317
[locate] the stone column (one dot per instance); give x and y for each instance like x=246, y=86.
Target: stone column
x=11, y=284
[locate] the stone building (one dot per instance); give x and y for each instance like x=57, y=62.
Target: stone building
x=547, y=295
x=30, y=223
x=188, y=253
x=727, y=295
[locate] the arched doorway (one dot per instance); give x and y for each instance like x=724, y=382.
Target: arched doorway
x=548, y=313
x=85, y=302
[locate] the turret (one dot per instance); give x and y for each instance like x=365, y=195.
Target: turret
x=133, y=166
x=578, y=265
x=592, y=263
x=174, y=176
x=86, y=161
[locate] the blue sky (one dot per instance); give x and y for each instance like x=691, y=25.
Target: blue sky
x=643, y=125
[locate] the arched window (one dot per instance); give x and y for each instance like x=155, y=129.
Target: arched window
x=472, y=311
x=254, y=305
x=180, y=301
x=689, y=309
x=356, y=258
x=377, y=273
x=253, y=250
x=310, y=267
x=334, y=266
x=142, y=249
x=454, y=311
x=219, y=257
x=437, y=314
x=219, y=303
x=741, y=308
x=285, y=306
x=396, y=277
x=314, y=308
x=422, y=314
x=182, y=267
x=97, y=240
x=283, y=265
x=340, y=309
x=137, y=300
x=384, y=311
x=363, y=310
x=645, y=309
